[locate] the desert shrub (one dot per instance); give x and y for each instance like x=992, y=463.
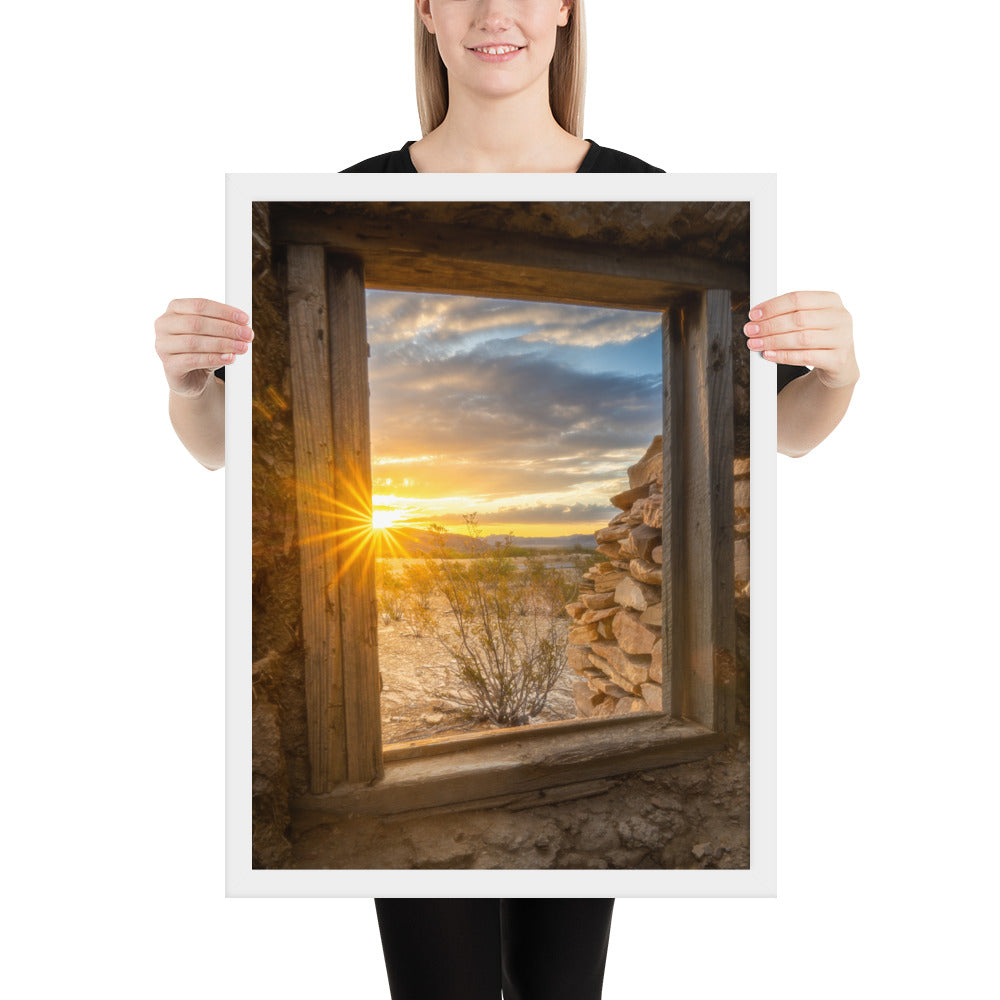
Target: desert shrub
x=503, y=632
x=390, y=594
x=419, y=582
x=549, y=591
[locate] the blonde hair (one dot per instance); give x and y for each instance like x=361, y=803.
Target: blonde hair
x=567, y=75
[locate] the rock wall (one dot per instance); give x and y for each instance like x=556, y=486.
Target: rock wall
x=615, y=643
x=280, y=764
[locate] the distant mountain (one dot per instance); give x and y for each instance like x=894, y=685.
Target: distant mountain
x=557, y=541
x=409, y=541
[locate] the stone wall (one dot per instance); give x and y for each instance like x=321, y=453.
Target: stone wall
x=280, y=764
x=616, y=640
x=615, y=643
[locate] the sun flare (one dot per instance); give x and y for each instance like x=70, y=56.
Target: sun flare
x=384, y=518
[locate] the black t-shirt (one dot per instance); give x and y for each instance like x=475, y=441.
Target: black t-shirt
x=599, y=160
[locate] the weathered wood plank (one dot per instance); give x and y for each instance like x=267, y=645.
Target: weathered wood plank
x=352, y=488
x=708, y=498
x=674, y=650
x=719, y=368
x=314, y=466
x=480, y=775
x=436, y=745
x=303, y=820
x=456, y=259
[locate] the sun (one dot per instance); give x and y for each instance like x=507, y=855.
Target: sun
x=384, y=518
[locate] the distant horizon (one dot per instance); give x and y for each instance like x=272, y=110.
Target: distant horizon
x=527, y=414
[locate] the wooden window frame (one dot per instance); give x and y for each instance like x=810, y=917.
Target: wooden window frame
x=332, y=256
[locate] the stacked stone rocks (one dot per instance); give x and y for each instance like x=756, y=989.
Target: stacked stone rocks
x=615, y=642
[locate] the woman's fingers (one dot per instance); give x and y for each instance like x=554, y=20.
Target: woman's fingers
x=186, y=344
x=183, y=363
x=792, y=302
x=817, y=358
x=195, y=336
x=806, y=328
x=208, y=308
x=800, y=340
x=798, y=320
x=189, y=328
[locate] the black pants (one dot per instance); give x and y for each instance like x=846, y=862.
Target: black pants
x=467, y=949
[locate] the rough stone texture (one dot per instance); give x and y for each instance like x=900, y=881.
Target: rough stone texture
x=641, y=541
x=269, y=804
x=656, y=662
x=578, y=658
x=652, y=513
x=605, y=671
x=634, y=668
x=634, y=637
x=647, y=820
x=608, y=581
x=653, y=615
x=621, y=656
x=649, y=468
x=582, y=635
x=585, y=697
x=612, y=533
x=653, y=694
x=633, y=594
x=646, y=572
x=279, y=726
x=597, y=602
x=597, y=616
x=623, y=501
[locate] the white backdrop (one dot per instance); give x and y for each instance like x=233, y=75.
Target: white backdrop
x=121, y=121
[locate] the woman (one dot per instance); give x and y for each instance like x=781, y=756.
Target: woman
x=500, y=89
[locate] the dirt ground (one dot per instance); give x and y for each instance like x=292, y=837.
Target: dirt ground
x=420, y=690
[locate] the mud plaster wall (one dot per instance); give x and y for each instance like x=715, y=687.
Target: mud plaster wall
x=661, y=818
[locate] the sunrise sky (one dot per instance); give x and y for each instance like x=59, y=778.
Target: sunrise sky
x=527, y=413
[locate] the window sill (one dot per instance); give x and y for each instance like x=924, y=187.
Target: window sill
x=524, y=767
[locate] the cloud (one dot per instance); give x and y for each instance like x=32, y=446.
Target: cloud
x=482, y=405
x=498, y=414
x=443, y=320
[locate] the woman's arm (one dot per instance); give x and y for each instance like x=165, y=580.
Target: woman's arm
x=200, y=423
x=814, y=329
x=193, y=338
x=807, y=412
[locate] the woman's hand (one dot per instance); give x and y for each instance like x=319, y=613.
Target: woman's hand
x=196, y=336
x=806, y=328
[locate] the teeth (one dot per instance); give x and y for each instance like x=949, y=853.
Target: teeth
x=498, y=50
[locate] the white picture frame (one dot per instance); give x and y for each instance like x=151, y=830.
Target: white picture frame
x=242, y=879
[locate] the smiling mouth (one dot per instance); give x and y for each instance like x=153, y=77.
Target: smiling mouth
x=496, y=50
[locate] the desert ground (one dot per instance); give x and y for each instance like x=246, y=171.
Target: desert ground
x=420, y=690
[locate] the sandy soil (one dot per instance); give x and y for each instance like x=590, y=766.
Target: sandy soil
x=419, y=692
